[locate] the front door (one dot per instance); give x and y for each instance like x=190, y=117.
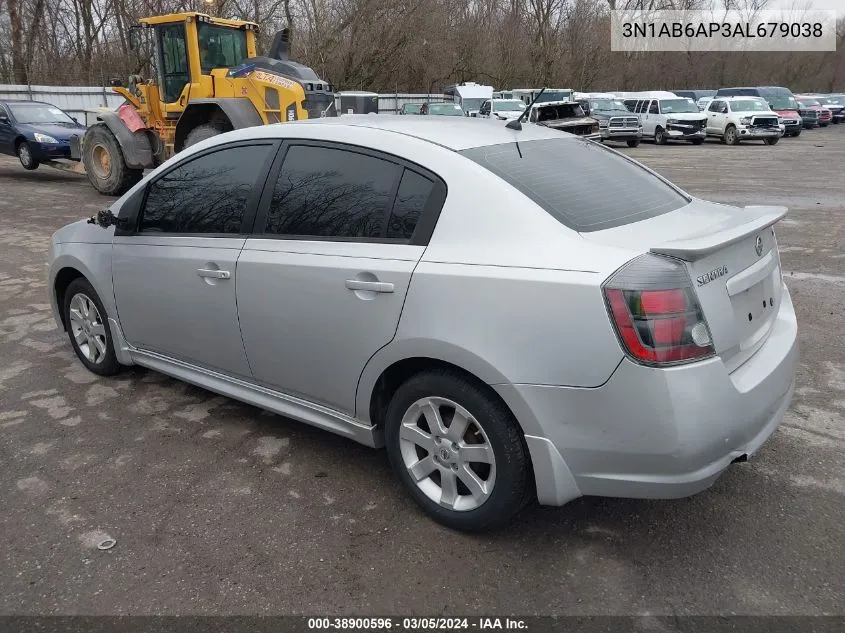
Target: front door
x=175, y=276
x=322, y=283
x=716, y=118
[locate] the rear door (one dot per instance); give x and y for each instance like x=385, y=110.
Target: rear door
x=175, y=272
x=323, y=279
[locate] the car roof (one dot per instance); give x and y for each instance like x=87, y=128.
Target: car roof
x=22, y=102
x=452, y=133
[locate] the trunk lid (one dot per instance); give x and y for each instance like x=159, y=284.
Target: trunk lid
x=733, y=262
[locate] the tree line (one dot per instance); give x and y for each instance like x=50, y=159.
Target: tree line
x=408, y=45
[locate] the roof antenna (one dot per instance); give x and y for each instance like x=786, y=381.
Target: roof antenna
x=516, y=124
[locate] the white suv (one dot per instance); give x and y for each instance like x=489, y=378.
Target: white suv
x=670, y=119
x=735, y=119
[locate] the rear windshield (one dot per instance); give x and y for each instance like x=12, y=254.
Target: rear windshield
x=582, y=184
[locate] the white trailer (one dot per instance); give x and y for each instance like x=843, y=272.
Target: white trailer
x=469, y=95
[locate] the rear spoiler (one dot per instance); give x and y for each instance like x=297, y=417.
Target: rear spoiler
x=752, y=220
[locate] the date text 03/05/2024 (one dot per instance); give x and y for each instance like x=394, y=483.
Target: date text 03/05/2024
x=416, y=624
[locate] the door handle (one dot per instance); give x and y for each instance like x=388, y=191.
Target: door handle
x=214, y=274
x=372, y=286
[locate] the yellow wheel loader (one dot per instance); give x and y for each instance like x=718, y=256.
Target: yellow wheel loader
x=208, y=80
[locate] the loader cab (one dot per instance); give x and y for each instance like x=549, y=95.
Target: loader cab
x=187, y=47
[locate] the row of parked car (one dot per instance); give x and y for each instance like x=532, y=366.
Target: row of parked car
x=732, y=115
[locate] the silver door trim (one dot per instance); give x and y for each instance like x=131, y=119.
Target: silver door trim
x=289, y=406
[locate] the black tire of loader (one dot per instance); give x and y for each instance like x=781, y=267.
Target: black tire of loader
x=119, y=178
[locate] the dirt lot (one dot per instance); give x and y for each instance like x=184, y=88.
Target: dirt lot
x=218, y=508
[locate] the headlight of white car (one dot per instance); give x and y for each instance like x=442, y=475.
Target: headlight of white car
x=746, y=120
x=602, y=122
x=43, y=138
x=672, y=121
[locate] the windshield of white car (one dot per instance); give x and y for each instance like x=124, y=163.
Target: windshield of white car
x=677, y=106
x=508, y=105
x=38, y=113
x=450, y=109
x=783, y=103
x=749, y=105
x=607, y=104
x=553, y=95
x=472, y=104
x=809, y=103
x=834, y=100
x=580, y=195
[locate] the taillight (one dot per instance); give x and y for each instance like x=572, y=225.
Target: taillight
x=656, y=313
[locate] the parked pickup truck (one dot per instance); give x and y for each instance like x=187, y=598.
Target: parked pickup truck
x=735, y=119
x=566, y=116
x=616, y=122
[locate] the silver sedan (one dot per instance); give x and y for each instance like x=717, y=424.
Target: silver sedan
x=512, y=313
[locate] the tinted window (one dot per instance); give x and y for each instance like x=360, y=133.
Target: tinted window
x=208, y=194
x=653, y=108
x=327, y=192
x=583, y=185
x=716, y=106
x=411, y=197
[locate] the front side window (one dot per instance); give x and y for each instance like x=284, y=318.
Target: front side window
x=174, y=60
x=653, y=108
x=569, y=179
x=328, y=192
x=220, y=46
x=208, y=194
x=716, y=106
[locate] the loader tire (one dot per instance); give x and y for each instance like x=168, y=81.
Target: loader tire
x=105, y=164
x=202, y=132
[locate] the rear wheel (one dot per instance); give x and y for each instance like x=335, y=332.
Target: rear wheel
x=24, y=152
x=634, y=142
x=771, y=141
x=660, y=136
x=105, y=164
x=731, y=137
x=457, y=450
x=205, y=131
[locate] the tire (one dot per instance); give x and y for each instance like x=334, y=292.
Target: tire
x=89, y=335
x=24, y=152
x=510, y=471
x=203, y=132
x=697, y=141
x=105, y=163
x=822, y=124
x=796, y=134
x=634, y=142
x=771, y=141
x=731, y=137
x=660, y=136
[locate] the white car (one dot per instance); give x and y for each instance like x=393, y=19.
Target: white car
x=669, y=119
x=735, y=119
x=501, y=109
x=511, y=313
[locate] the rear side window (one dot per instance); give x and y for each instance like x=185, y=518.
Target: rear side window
x=584, y=185
x=329, y=192
x=411, y=198
x=208, y=194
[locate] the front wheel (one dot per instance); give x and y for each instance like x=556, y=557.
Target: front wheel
x=28, y=161
x=771, y=141
x=204, y=131
x=731, y=137
x=105, y=164
x=660, y=136
x=87, y=326
x=457, y=450
x=634, y=142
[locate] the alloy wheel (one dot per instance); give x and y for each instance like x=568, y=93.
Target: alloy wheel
x=25, y=155
x=87, y=328
x=447, y=454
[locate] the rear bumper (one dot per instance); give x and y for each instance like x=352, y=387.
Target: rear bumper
x=656, y=433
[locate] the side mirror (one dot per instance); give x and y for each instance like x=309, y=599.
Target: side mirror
x=75, y=120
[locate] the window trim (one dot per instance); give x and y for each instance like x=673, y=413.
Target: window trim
x=422, y=231
x=135, y=215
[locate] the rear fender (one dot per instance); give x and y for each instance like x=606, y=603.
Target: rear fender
x=238, y=113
